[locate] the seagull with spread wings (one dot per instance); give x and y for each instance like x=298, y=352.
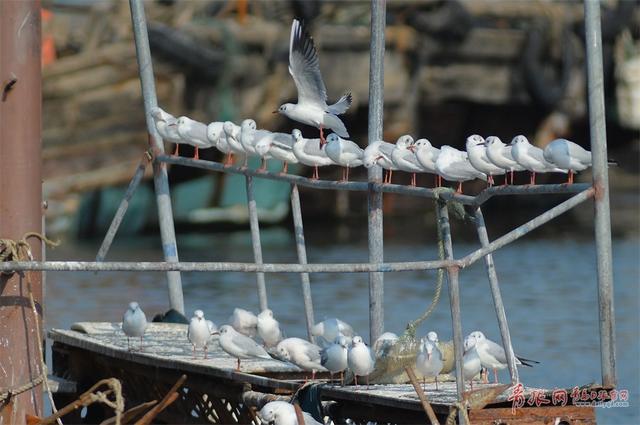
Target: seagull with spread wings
x=312, y=108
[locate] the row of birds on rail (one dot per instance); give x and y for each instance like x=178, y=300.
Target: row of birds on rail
x=338, y=349
x=483, y=159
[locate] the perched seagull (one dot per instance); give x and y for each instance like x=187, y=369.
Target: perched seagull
x=427, y=156
x=312, y=108
x=385, y=340
x=217, y=136
x=328, y=330
x=454, y=165
x=302, y=353
x=429, y=361
x=493, y=356
x=404, y=158
x=500, y=155
x=134, y=323
x=199, y=332
x=531, y=158
x=477, y=152
x=240, y=346
x=283, y=413
x=193, y=133
x=471, y=364
x=334, y=357
x=568, y=156
x=269, y=328
x=232, y=132
x=309, y=152
x=360, y=359
x=249, y=137
x=166, y=126
x=344, y=153
x=244, y=322
x=379, y=153
x=278, y=146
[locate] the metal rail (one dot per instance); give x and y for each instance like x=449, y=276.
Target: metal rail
x=255, y=242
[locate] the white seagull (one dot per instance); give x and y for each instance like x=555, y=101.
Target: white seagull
x=134, y=323
x=283, y=413
x=344, y=153
x=404, y=158
x=429, y=360
x=500, y=155
x=240, y=346
x=244, y=322
x=278, y=146
x=493, y=356
x=193, y=133
x=471, y=364
x=269, y=328
x=360, y=358
x=232, y=132
x=217, y=136
x=334, y=357
x=567, y=156
x=477, y=151
x=385, y=340
x=454, y=165
x=427, y=156
x=531, y=158
x=199, y=332
x=312, y=108
x=249, y=137
x=302, y=353
x=309, y=152
x=379, y=152
x=166, y=126
x=329, y=329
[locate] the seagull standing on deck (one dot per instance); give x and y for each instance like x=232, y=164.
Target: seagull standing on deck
x=312, y=108
x=240, y=346
x=360, y=359
x=404, y=157
x=568, y=156
x=531, y=158
x=500, y=154
x=199, y=332
x=134, y=323
x=493, y=356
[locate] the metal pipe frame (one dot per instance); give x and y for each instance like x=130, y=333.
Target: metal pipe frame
x=298, y=229
x=255, y=242
x=497, y=298
x=160, y=178
x=602, y=219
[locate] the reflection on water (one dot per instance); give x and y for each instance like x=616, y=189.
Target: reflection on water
x=548, y=287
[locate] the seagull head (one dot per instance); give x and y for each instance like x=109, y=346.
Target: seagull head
x=357, y=340
x=133, y=306
x=432, y=336
x=469, y=342
x=214, y=131
x=297, y=135
x=342, y=341
x=479, y=336
x=230, y=129
x=247, y=125
x=519, y=140
x=493, y=141
x=422, y=143
x=199, y=314
x=223, y=330
x=404, y=142
x=474, y=141
x=284, y=353
x=333, y=138
x=284, y=109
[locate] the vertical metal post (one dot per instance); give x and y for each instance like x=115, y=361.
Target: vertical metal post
x=160, y=178
x=442, y=214
x=376, y=109
x=302, y=258
x=255, y=242
x=497, y=298
x=601, y=185
x=20, y=203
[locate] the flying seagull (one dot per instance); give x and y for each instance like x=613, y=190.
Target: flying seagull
x=312, y=108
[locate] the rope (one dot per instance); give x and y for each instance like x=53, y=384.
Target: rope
x=20, y=250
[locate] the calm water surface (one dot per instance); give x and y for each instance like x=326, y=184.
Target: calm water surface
x=548, y=287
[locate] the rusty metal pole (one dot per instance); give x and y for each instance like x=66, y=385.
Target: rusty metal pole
x=20, y=201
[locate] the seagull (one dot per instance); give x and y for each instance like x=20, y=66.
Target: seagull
x=360, y=359
x=500, y=155
x=477, y=152
x=334, y=357
x=199, y=332
x=233, y=140
x=269, y=328
x=309, y=152
x=283, y=413
x=312, y=108
x=217, y=136
x=531, y=158
x=249, y=137
x=493, y=356
x=302, y=353
x=385, y=340
x=344, y=153
x=328, y=330
x=165, y=124
x=379, y=152
x=471, y=364
x=193, y=133
x=134, y=323
x=240, y=346
x=427, y=156
x=278, y=146
x=429, y=361
x=454, y=165
x=244, y=322
x=567, y=156
x=404, y=158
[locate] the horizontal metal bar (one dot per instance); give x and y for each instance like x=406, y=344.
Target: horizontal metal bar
x=112, y=266
x=520, y=231
x=440, y=193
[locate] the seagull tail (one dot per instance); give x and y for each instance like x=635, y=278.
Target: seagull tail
x=341, y=106
x=527, y=362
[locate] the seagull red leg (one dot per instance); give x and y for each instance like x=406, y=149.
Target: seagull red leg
x=285, y=167
x=459, y=189
x=175, y=152
x=196, y=154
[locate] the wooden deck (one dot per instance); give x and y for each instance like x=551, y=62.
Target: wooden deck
x=216, y=393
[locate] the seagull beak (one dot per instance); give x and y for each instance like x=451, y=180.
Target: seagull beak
x=412, y=148
x=172, y=125
x=215, y=333
x=274, y=112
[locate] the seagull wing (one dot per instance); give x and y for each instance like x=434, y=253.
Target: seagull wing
x=304, y=67
x=495, y=351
